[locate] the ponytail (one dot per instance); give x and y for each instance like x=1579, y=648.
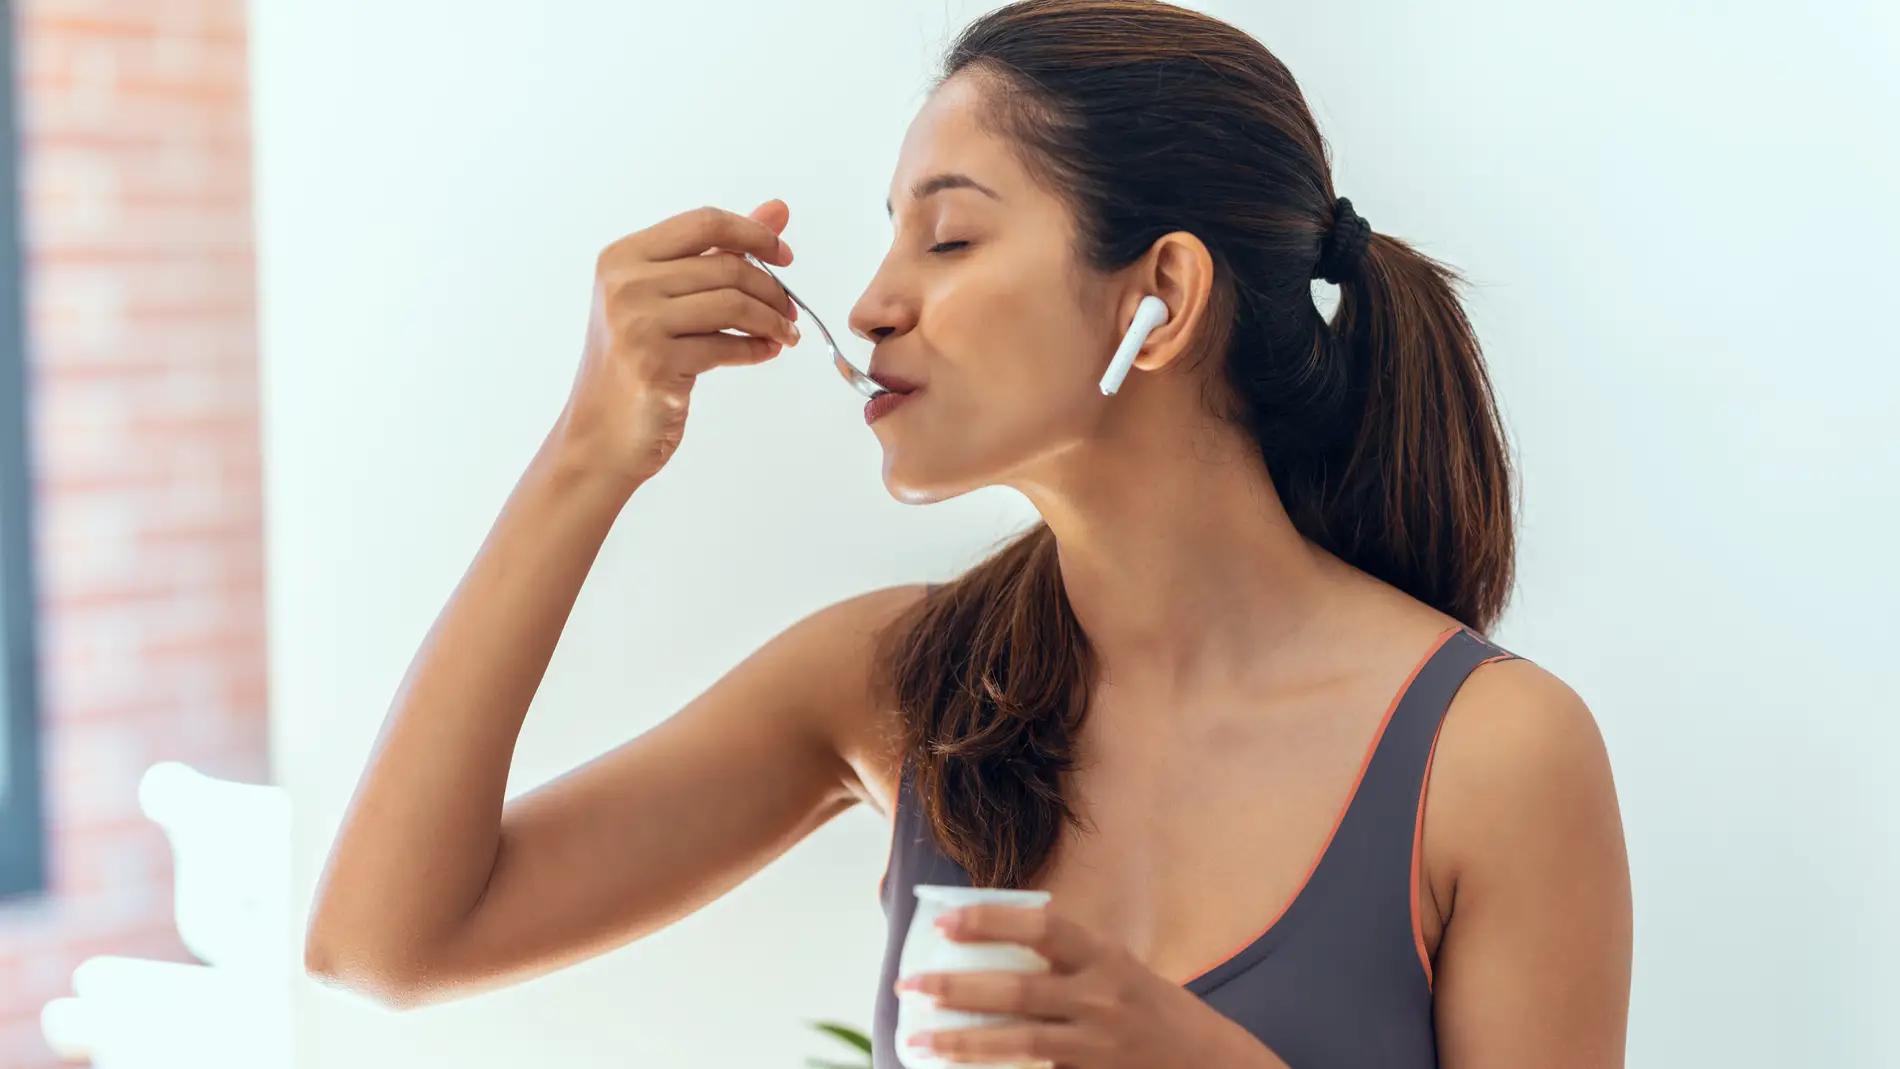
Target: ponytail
x=1423, y=499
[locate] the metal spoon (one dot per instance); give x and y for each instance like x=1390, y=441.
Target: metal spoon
x=863, y=383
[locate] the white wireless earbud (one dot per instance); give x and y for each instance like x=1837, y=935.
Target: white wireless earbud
x=1149, y=314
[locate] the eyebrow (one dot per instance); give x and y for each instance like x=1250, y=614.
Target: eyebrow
x=937, y=183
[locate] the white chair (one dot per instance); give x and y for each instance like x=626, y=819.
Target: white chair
x=231, y=851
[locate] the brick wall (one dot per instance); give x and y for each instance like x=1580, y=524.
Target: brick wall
x=143, y=414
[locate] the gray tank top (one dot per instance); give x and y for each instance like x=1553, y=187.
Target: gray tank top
x=1340, y=979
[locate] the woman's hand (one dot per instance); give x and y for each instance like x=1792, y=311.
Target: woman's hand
x=663, y=299
x=1097, y=1007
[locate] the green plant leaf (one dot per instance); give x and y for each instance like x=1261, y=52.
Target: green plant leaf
x=820, y=1063
x=845, y=1033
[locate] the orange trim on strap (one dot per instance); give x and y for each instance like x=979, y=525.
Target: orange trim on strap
x=1418, y=836
x=1364, y=764
x=1418, y=842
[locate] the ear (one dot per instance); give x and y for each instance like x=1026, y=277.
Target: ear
x=1178, y=269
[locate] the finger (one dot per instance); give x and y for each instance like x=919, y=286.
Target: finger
x=1059, y=1043
x=722, y=270
x=776, y=214
x=691, y=233
x=1040, y=995
x=773, y=213
x=702, y=353
x=718, y=252
x=1066, y=944
x=725, y=309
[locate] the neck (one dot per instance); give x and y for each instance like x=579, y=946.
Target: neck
x=1176, y=555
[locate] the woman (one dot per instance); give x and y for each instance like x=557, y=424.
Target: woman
x=1202, y=702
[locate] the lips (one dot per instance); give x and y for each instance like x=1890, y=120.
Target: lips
x=897, y=391
x=883, y=405
x=892, y=382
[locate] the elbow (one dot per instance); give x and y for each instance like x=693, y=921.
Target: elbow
x=374, y=978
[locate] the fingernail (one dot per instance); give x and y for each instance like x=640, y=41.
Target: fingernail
x=784, y=251
x=792, y=329
x=948, y=923
x=921, y=1039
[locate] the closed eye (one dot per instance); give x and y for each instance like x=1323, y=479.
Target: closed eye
x=948, y=246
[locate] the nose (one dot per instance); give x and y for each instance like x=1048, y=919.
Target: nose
x=885, y=310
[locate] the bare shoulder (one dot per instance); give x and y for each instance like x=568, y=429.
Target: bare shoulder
x=1515, y=723
x=846, y=630
x=832, y=655
x=1521, y=777
x=1524, y=862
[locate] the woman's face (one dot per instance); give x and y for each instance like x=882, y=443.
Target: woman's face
x=980, y=304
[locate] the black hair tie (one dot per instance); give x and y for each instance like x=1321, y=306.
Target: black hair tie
x=1343, y=245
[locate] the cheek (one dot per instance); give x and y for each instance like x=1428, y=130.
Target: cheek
x=1015, y=364
x=1014, y=333
x=1014, y=378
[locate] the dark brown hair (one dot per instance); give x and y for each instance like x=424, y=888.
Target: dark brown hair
x=1378, y=429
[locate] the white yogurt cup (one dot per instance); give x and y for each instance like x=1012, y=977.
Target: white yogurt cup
x=927, y=950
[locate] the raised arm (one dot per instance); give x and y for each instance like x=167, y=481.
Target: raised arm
x=434, y=886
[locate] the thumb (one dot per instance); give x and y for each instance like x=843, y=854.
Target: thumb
x=773, y=213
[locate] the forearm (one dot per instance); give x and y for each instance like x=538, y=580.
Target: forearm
x=418, y=843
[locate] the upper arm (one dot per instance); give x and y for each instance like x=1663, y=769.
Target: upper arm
x=666, y=822
x=1522, y=825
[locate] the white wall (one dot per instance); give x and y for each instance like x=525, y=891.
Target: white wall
x=1681, y=229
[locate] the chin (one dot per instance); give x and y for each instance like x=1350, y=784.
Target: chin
x=913, y=487
x=922, y=472
x=922, y=466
